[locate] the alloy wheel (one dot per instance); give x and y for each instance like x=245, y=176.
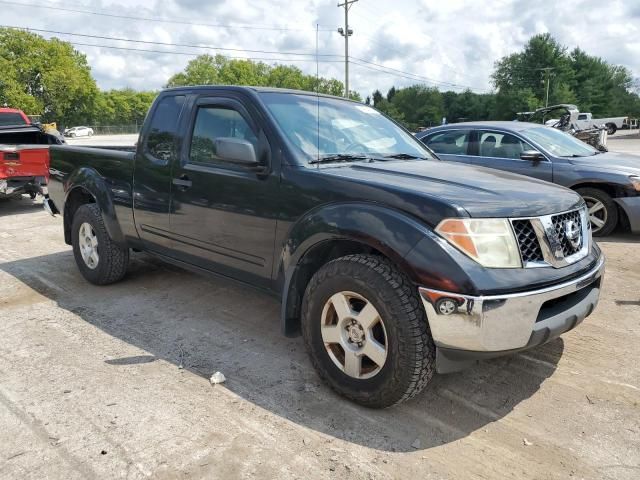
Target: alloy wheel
x=354, y=335
x=88, y=243
x=598, y=214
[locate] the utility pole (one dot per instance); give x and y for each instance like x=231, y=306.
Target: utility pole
x=346, y=33
x=547, y=73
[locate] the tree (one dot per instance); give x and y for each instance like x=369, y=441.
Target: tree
x=121, y=107
x=220, y=70
x=45, y=77
x=576, y=77
x=377, y=97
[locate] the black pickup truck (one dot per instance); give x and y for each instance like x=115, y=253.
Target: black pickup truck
x=391, y=263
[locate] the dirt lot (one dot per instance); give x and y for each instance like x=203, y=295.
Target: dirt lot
x=112, y=382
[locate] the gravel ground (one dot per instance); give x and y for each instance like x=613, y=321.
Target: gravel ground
x=113, y=382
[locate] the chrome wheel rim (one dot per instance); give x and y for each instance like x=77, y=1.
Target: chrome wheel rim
x=88, y=243
x=354, y=335
x=598, y=215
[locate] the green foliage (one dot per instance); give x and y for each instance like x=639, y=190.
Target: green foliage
x=520, y=80
x=45, y=77
x=121, y=107
x=220, y=70
x=576, y=77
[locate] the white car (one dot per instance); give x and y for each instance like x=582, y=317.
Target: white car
x=78, y=132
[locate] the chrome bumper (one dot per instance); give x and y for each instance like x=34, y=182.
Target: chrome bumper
x=506, y=322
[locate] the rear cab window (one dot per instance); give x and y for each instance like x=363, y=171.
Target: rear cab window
x=9, y=119
x=450, y=142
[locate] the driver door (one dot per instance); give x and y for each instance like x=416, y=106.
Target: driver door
x=224, y=213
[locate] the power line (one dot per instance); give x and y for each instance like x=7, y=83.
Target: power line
x=194, y=54
x=177, y=21
x=427, y=79
x=167, y=44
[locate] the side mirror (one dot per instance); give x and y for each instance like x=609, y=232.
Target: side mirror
x=532, y=155
x=236, y=150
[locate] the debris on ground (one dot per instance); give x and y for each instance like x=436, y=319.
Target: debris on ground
x=416, y=444
x=526, y=442
x=310, y=388
x=217, y=377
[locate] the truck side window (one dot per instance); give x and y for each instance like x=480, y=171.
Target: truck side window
x=164, y=125
x=217, y=122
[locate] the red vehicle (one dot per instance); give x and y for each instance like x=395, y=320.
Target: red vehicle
x=24, y=154
x=12, y=117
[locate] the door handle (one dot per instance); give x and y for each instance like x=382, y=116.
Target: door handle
x=183, y=183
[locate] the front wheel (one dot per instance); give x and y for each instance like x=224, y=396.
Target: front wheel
x=99, y=259
x=366, y=331
x=603, y=211
x=611, y=128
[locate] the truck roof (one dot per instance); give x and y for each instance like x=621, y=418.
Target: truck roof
x=241, y=88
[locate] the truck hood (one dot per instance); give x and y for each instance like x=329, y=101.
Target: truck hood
x=610, y=162
x=478, y=191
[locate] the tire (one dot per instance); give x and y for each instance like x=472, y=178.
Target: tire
x=402, y=330
x=109, y=265
x=72, y=135
x=606, y=213
x=611, y=128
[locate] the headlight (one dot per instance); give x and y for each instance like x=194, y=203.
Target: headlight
x=635, y=181
x=490, y=242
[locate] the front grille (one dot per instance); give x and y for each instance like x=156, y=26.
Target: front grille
x=530, y=250
x=560, y=223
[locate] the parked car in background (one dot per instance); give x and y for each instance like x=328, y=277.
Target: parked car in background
x=609, y=182
x=78, y=132
x=390, y=262
x=12, y=117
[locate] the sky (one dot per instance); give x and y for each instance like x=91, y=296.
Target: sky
x=452, y=44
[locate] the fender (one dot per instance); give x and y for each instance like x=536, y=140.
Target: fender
x=390, y=232
x=92, y=183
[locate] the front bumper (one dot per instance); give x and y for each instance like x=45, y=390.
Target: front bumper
x=467, y=328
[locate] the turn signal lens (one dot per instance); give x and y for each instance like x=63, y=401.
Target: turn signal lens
x=490, y=242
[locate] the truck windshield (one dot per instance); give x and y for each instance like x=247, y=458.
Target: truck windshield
x=346, y=131
x=559, y=143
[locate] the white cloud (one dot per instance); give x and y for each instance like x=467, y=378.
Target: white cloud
x=453, y=42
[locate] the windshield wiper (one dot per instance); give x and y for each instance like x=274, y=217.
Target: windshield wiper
x=339, y=157
x=403, y=156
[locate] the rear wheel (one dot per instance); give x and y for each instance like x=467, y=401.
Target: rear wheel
x=366, y=331
x=611, y=128
x=99, y=259
x=603, y=211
